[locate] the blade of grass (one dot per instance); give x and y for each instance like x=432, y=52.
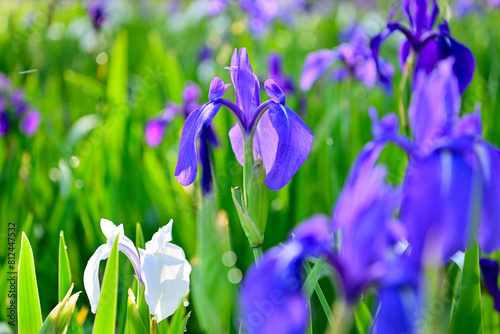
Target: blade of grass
x=105, y=317
x=29, y=313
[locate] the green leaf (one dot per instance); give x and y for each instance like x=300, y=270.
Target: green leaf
x=116, y=90
x=313, y=277
x=28, y=307
x=83, y=126
x=363, y=318
x=321, y=296
x=64, y=274
x=60, y=317
x=212, y=292
x=105, y=317
x=91, y=85
x=134, y=324
x=139, y=236
x=468, y=317
x=179, y=321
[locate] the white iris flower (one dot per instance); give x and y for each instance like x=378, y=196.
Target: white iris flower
x=162, y=268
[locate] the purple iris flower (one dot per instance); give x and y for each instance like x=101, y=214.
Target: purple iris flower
x=449, y=165
x=356, y=57
x=428, y=44
x=16, y=111
x=270, y=129
x=98, y=13
x=271, y=297
x=364, y=218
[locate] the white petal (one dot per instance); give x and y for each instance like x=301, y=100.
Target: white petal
x=91, y=275
x=107, y=227
x=126, y=246
x=160, y=238
x=166, y=278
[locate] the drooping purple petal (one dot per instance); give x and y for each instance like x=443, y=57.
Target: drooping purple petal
x=490, y=271
x=294, y=144
x=315, y=65
x=464, y=65
x=271, y=298
x=206, y=169
x=30, y=122
x=187, y=163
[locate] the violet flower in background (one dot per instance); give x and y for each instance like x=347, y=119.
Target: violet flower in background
x=428, y=45
x=279, y=136
x=363, y=216
x=15, y=110
x=156, y=127
x=276, y=72
x=97, y=13
x=262, y=13
x=357, y=62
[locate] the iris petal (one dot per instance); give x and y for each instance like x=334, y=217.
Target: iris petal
x=294, y=144
x=315, y=65
x=91, y=276
x=165, y=274
x=187, y=163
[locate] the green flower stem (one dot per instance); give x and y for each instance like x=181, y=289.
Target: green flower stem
x=257, y=253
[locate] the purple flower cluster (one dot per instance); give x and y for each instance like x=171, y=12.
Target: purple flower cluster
x=263, y=13
x=386, y=236
x=357, y=62
x=15, y=110
x=427, y=44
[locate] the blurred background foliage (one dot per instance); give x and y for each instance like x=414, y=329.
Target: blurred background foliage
x=96, y=89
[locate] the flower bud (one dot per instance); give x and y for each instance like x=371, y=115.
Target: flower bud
x=252, y=232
